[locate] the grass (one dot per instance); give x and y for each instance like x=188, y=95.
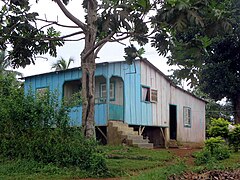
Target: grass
x=126, y=161
x=122, y=161
x=25, y=169
x=161, y=172
x=231, y=163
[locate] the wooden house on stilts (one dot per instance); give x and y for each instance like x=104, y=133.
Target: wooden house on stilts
x=134, y=104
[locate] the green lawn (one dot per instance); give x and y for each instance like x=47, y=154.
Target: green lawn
x=122, y=161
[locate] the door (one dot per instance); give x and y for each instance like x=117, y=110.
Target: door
x=173, y=121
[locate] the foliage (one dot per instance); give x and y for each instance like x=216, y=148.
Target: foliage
x=132, y=53
x=214, y=109
x=203, y=157
x=215, y=149
x=204, y=43
x=38, y=129
x=186, y=29
x=234, y=138
x=218, y=127
x=62, y=64
x=17, y=28
x=151, y=164
x=222, y=71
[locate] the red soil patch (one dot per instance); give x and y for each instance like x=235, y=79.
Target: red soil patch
x=184, y=153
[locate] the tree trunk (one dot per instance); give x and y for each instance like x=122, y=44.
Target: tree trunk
x=237, y=109
x=88, y=89
x=88, y=71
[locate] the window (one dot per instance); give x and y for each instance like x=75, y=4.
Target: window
x=187, y=116
x=154, y=96
x=103, y=91
x=145, y=94
x=41, y=92
x=72, y=90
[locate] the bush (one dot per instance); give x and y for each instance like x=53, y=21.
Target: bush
x=38, y=129
x=203, y=157
x=215, y=149
x=234, y=138
x=218, y=127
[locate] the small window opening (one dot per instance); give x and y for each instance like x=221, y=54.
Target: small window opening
x=187, y=116
x=145, y=94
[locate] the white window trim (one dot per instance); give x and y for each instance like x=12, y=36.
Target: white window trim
x=187, y=116
x=112, y=95
x=151, y=91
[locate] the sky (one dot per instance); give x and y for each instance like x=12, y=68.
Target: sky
x=49, y=10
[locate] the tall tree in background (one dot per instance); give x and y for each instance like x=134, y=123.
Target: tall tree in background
x=220, y=77
x=3, y=63
x=62, y=64
x=207, y=54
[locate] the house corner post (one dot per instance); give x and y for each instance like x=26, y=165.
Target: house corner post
x=167, y=136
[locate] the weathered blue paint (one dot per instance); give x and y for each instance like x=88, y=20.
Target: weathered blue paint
x=133, y=111
x=115, y=112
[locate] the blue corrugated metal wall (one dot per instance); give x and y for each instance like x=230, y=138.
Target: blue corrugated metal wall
x=134, y=111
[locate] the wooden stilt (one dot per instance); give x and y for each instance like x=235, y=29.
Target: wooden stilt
x=164, y=138
x=102, y=132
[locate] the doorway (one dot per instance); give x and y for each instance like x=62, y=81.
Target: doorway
x=173, y=121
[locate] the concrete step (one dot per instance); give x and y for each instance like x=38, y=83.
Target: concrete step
x=172, y=143
x=144, y=145
x=128, y=135
x=134, y=136
x=135, y=141
x=129, y=132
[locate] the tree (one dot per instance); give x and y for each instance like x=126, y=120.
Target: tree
x=105, y=21
x=207, y=53
x=3, y=63
x=220, y=77
x=62, y=64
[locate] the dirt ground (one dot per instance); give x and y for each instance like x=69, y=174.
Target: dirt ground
x=187, y=154
x=184, y=153
x=214, y=174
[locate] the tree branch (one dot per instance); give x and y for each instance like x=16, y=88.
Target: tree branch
x=70, y=16
x=73, y=34
x=56, y=23
x=103, y=41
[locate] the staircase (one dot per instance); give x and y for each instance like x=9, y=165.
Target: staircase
x=120, y=133
x=172, y=143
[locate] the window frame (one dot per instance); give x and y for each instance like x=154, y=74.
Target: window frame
x=112, y=88
x=69, y=98
x=148, y=94
x=44, y=90
x=152, y=100
x=187, y=118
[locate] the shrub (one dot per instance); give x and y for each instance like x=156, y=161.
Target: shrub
x=215, y=149
x=212, y=143
x=203, y=157
x=234, y=138
x=38, y=129
x=218, y=127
